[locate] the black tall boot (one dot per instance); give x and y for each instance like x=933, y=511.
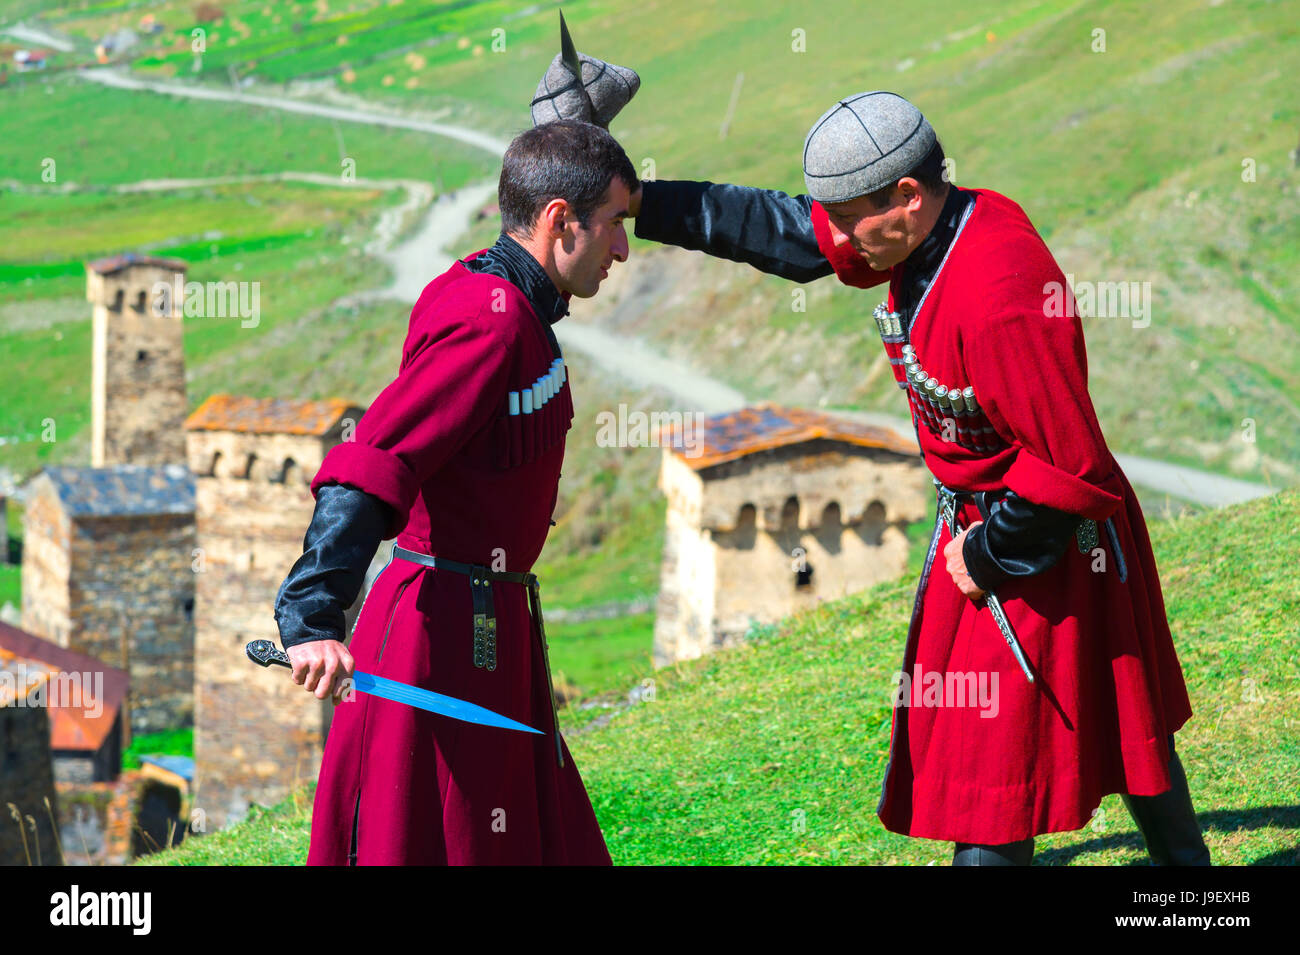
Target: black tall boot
x=1012, y=853
x=1168, y=821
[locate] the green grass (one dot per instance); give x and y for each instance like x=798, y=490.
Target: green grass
x=238, y=217
x=125, y=136
x=773, y=752
x=600, y=656
x=1106, y=149
x=625, y=564
x=793, y=725
x=283, y=833
x=178, y=742
x=11, y=585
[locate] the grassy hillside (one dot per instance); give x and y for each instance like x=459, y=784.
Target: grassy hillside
x=1148, y=144
x=1129, y=158
x=774, y=752
x=301, y=245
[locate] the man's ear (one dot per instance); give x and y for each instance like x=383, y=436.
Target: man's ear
x=555, y=216
x=911, y=193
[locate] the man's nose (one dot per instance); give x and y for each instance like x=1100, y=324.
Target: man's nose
x=838, y=236
x=620, y=248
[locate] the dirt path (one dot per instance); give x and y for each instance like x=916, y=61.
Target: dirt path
x=370, y=117
x=425, y=254
x=37, y=37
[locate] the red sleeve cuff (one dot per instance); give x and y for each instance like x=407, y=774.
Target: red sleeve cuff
x=850, y=268
x=376, y=472
x=1042, y=483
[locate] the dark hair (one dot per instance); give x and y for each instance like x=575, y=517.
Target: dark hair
x=928, y=172
x=565, y=159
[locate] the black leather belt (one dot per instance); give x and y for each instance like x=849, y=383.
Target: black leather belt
x=484, y=615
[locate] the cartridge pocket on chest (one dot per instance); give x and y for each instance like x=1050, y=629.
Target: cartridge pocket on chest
x=951, y=412
x=536, y=418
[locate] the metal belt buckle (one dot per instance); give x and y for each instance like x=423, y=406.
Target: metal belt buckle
x=484, y=619
x=1086, y=535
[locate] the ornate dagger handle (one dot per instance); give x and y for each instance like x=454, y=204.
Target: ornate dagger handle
x=264, y=653
x=948, y=514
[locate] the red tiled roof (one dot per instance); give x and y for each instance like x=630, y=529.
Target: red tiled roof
x=268, y=415
x=766, y=426
x=70, y=726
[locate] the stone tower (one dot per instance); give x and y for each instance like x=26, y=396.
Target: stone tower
x=256, y=733
x=773, y=510
x=138, y=367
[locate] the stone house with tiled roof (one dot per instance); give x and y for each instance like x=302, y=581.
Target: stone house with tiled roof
x=108, y=571
x=772, y=509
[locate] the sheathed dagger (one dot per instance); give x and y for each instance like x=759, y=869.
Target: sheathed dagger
x=948, y=513
x=264, y=653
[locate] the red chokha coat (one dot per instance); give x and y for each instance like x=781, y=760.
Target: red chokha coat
x=469, y=482
x=1109, y=688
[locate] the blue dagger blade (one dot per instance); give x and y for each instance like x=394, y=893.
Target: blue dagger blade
x=434, y=702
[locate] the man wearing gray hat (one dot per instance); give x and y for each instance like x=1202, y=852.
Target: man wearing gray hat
x=1051, y=587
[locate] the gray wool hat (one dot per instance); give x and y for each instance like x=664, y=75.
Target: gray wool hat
x=862, y=144
x=610, y=88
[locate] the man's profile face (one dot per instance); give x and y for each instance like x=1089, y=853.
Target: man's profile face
x=883, y=236
x=585, y=256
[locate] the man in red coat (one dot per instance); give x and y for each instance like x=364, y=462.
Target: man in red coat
x=1033, y=507
x=460, y=458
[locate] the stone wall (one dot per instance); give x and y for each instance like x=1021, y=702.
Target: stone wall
x=97, y=820
x=257, y=734
x=291, y=459
x=132, y=599
x=47, y=535
x=26, y=781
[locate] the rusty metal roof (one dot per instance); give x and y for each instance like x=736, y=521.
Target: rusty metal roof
x=71, y=727
x=116, y=263
x=766, y=426
x=268, y=415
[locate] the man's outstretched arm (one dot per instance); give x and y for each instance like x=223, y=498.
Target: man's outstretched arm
x=770, y=230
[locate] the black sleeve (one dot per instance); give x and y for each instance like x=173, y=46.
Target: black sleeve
x=344, y=534
x=764, y=228
x=1017, y=539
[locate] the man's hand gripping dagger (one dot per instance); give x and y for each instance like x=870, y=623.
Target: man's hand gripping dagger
x=956, y=565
